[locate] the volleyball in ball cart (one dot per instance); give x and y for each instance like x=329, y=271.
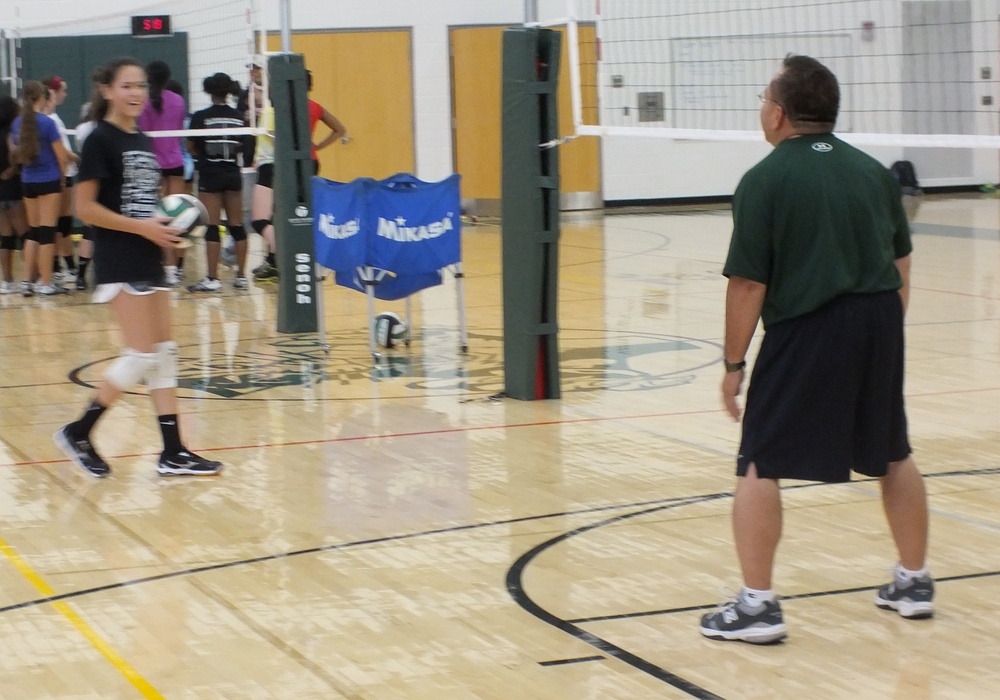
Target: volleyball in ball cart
x=390, y=330
x=187, y=214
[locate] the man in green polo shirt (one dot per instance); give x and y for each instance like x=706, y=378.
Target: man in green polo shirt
x=821, y=254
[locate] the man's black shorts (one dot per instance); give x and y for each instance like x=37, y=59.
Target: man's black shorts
x=826, y=393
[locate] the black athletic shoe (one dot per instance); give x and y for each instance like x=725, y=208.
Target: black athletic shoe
x=736, y=621
x=267, y=271
x=913, y=599
x=81, y=452
x=187, y=462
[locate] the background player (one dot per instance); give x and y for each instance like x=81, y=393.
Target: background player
x=220, y=183
x=37, y=146
x=166, y=111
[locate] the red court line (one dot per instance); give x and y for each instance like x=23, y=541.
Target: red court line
x=418, y=433
x=470, y=429
x=954, y=293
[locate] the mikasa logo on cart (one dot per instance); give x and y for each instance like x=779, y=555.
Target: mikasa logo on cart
x=397, y=230
x=822, y=147
x=329, y=227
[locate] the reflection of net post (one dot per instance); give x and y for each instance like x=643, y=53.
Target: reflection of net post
x=530, y=210
x=293, y=221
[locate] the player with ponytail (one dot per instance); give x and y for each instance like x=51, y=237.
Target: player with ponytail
x=118, y=194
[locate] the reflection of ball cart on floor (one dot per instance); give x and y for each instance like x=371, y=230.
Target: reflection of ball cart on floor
x=390, y=239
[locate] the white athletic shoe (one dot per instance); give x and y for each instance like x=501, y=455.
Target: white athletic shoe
x=47, y=290
x=206, y=285
x=240, y=283
x=7, y=288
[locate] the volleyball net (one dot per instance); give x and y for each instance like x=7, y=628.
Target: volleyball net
x=912, y=73
x=195, y=38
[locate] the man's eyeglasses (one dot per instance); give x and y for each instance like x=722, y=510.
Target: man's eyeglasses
x=762, y=96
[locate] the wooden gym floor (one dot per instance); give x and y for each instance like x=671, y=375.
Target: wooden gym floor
x=398, y=531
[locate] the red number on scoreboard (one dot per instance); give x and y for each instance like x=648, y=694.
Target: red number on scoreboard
x=151, y=25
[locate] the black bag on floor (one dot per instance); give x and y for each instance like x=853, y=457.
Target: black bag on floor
x=906, y=176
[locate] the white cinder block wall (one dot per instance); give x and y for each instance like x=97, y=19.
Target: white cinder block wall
x=633, y=168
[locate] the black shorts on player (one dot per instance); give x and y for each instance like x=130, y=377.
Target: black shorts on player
x=219, y=180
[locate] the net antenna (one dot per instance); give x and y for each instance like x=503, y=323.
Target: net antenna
x=911, y=74
x=259, y=58
x=572, y=39
x=262, y=53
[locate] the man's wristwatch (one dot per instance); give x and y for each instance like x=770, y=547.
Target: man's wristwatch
x=734, y=366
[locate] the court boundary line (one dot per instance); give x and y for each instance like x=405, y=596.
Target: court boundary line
x=516, y=589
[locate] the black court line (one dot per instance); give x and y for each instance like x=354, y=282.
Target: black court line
x=515, y=587
x=329, y=548
x=564, y=662
x=37, y=385
x=798, y=596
